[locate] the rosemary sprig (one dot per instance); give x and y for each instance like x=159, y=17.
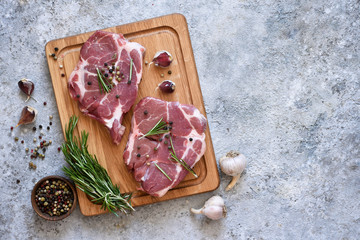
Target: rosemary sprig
x=157, y=129
x=182, y=162
x=102, y=84
x=161, y=170
x=88, y=175
x=131, y=67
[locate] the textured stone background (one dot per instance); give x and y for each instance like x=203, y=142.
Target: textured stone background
x=289, y=75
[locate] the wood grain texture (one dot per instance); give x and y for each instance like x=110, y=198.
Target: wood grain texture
x=163, y=33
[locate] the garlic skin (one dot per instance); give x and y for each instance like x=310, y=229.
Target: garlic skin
x=214, y=208
x=232, y=164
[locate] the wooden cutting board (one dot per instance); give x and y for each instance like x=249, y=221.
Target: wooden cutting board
x=163, y=33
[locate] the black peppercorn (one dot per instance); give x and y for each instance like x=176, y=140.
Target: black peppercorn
x=117, y=96
x=170, y=122
x=53, y=54
x=146, y=112
x=105, y=64
x=40, y=126
x=50, y=123
x=89, y=83
x=63, y=75
x=78, y=96
x=138, y=155
x=106, y=75
x=190, y=139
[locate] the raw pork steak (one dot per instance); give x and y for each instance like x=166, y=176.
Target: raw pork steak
x=111, y=53
x=141, y=155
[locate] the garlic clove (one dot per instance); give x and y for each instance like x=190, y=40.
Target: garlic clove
x=27, y=87
x=214, y=208
x=162, y=59
x=167, y=86
x=28, y=115
x=233, y=164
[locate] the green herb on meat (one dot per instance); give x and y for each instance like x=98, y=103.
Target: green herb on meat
x=102, y=85
x=161, y=170
x=159, y=128
x=131, y=67
x=182, y=162
x=88, y=175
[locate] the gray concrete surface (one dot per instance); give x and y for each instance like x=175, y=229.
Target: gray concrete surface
x=280, y=81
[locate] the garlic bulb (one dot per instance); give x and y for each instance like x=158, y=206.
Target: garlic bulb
x=214, y=208
x=233, y=164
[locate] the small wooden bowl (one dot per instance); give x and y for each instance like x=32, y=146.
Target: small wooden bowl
x=44, y=215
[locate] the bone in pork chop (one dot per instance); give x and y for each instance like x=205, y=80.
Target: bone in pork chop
x=111, y=53
x=142, y=155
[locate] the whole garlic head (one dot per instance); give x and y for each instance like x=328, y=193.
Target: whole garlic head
x=214, y=208
x=232, y=164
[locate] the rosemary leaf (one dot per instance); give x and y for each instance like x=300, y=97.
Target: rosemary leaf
x=182, y=162
x=101, y=82
x=88, y=175
x=131, y=67
x=157, y=129
x=161, y=170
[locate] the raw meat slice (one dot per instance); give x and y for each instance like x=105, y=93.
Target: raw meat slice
x=188, y=136
x=111, y=53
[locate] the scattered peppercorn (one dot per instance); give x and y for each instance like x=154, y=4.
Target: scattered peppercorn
x=117, y=96
x=17, y=181
x=11, y=128
x=105, y=64
x=190, y=139
x=160, y=139
x=110, y=70
x=48, y=128
x=34, y=128
x=138, y=147
x=59, y=149
x=146, y=112
x=32, y=165
x=53, y=54
x=138, y=155
x=89, y=83
x=170, y=122
x=106, y=75
x=40, y=137
x=22, y=141
x=63, y=74
x=129, y=82
x=56, y=49
x=50, y=123
x=169, y=72
x=45, y=103
x=40, y=126
x=78, y=95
